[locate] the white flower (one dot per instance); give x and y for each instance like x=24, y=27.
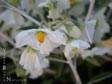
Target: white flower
x=71, y=30
x=75, y=46
x=56, y=7
x=43, y=40
x=11, y=19
x=33, y=63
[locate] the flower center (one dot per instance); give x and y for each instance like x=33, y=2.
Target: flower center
x=41, y=36
x=74, y=49
x=72, y=2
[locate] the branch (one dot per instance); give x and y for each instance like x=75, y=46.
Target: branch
x=74, y=70
x=57, y=60
x=21, y=12
x=90, y=10
x=7, y=39
x=40, y=13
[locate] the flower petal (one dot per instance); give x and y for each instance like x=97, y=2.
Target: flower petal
x=75, y=32
x=57, y=37
x=26, y=37
x=34, y=73
x=32, y=63
x=90, y=29
x=80, y=44
x=47, y=46
x=67, y=50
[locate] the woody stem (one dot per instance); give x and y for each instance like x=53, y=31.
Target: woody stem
x=21, y=12
x=90, y=10
x=74, y=70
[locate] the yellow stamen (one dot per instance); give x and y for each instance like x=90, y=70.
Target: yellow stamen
x=5, y=33
x=72, y=2
x=74, y=49
x=41, y=36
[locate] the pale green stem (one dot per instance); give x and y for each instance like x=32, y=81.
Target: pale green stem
x=74, y=70
x=100, y=79
x=57, y=60
x=21, y=12
x=7, y=39
x=90, y=10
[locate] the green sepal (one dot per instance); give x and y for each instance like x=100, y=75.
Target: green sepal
x=20, y=72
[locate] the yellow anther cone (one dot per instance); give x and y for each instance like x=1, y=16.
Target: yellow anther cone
x=74, y=49
x=72, y=2
x=41, y=36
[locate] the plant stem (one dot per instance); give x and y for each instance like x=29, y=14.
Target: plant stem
x=40, y=13
x=74, y=70
x=57, y=60
x=90, y=10
x=21, y=12
x=7, y=39
x=100, y=79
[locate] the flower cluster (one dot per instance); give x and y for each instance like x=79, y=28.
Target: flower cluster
x=42, y=29
x=43, y=40
x=53, y=30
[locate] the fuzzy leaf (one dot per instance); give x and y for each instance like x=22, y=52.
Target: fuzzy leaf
x=100, y=77
x=93, y=61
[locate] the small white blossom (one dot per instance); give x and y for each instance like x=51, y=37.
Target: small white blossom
x=33, y=63
x=74, y=47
